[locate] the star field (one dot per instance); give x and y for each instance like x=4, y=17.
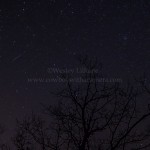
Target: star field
x=36, y=34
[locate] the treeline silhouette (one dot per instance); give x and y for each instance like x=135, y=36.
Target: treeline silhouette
x=88, y=116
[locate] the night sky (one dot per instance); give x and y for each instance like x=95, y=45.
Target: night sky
x=38, y=34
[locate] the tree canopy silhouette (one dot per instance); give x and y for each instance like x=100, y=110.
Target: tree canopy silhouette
x=90, y=115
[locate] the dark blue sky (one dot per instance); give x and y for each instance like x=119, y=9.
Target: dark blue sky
x=38, y=34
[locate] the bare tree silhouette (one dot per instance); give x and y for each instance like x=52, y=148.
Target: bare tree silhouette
x=91, y=115
x=2, y=145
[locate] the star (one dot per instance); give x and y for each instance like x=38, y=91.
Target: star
x=17, y=91
x=14, y=42
x=23, y=107
x=125, y=37
x=74, y=53
x=33, y=35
